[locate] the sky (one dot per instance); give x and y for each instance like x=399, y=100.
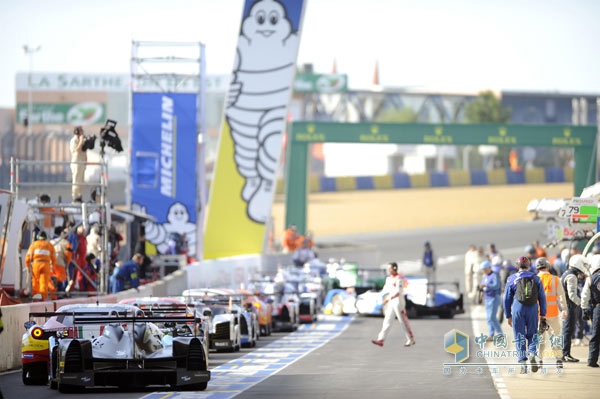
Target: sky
x=439, y=45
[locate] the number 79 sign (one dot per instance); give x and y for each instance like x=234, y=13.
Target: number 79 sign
x=580, y=210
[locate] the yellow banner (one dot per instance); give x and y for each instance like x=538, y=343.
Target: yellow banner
x=244, y=181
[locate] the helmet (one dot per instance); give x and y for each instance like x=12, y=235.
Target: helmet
x=595, y=264
x=578, y=262
x=523, y=262
x=542, y=263
x=485, y=265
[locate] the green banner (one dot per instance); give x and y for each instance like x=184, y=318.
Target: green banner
x=86, y=113
x=445, y=134
x=320, y=83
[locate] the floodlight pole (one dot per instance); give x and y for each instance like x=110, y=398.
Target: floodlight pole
x=30, y=51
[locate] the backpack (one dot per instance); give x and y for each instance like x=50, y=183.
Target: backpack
x=527, y=291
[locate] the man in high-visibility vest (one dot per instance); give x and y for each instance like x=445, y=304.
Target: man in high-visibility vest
x=556, y=312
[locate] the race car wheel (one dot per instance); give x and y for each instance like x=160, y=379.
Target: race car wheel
x=35, y=374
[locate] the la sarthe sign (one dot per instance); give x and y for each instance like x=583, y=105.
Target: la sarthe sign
x=82, y=82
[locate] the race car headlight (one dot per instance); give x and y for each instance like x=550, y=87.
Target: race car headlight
x=37, y=333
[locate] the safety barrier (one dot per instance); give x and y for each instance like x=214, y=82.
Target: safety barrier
x=227, y=273
x=451, y=178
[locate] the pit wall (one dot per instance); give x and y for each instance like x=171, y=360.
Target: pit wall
x=235, y=272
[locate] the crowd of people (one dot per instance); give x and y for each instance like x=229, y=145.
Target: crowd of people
x=547, y=300
x=69, y=262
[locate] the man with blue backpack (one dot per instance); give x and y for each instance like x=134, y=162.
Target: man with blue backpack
x=522, y=313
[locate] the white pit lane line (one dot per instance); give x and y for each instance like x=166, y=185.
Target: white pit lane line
x=238, y=375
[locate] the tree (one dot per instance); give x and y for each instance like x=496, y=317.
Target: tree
x=487, y=108
x=404, y=115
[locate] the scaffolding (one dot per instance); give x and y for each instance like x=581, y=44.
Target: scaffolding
x=171, y=67
x=43, y=207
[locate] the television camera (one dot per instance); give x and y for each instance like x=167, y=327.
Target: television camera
x=108, y=136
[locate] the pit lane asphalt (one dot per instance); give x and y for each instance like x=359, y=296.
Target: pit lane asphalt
x=349, y=366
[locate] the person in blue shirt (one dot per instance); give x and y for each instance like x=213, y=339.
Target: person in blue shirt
x=126, y=275
x=490, y=284
x=524, y=318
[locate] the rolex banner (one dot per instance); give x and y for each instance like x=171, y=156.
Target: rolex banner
x=243, y=185
x=163, y=166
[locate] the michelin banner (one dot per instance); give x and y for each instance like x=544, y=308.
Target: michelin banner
x=163, y=165
x=244, y=180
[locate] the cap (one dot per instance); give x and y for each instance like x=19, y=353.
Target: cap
x=485, y=265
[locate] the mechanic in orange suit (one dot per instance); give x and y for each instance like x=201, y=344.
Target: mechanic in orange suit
x=290, y=239
x=40, y=261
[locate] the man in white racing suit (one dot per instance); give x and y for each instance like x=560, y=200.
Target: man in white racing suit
x=394, y=298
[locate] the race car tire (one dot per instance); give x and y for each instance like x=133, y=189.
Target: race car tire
x=35, y=374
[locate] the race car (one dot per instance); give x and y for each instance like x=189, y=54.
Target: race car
x=39, y=338
x=171, y=306
x=309, y=287
x=262, y=309
x=225, y=327
x=445, y=302
x=286, y=304
x=133, y=351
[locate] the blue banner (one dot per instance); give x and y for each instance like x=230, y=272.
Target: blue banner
x=163, y=166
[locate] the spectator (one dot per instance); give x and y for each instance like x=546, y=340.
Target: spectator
x=126, y=275
x=40, y=261
x=521, y=314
